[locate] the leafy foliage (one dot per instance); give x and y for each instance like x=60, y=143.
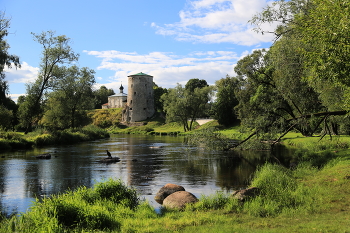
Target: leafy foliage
x=56, y=52
x=226, y=101
x=182, y=105
x=6, y=59
x=158, y=92
x=105, y=118
x=101, y=96
x=66, y=106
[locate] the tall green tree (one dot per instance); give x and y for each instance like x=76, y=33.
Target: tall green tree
x=56, y=52
x=184, y=106
x=313, y=34
x=101, y=96
x=158, y=92
x=194, y=83
x=324, y=31
x=273, y=96
x=6, y=60
x=6, y=117
x=226, y=100
x=72, y=95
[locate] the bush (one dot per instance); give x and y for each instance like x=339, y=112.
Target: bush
x=94, y=132
x=105, y=118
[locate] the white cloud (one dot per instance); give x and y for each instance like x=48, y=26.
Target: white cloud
x=25, y=74
x=167, y=69
x=217, y=21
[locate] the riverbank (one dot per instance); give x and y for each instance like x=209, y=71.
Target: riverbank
x=305, y=199
x=39, y=138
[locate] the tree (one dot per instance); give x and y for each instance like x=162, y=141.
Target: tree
x=315, y=33
x=194, y=83
x=101, y=96
x=324, y=31
x=273, y=95
x=226, y=100
x=6, y=60
x=6, y=117
x=181, y=105
x=281, y=13
x=158, y=92
x=72, y=95
x=56, y=52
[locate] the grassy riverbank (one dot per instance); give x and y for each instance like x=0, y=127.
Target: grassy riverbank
x=306, y=199
x=38, y=138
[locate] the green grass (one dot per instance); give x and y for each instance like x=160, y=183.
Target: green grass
x=39, y=138
x=306, y=199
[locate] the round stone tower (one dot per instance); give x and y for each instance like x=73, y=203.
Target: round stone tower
x=140, y=104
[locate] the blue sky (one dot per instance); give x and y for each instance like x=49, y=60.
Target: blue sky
x=172, y=40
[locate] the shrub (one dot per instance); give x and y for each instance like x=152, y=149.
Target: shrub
x=105, y=118
x=94, y=132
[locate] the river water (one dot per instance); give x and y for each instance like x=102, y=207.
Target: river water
x=146, y=163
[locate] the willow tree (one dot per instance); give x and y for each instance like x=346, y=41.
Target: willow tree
x=56, y=52
x=325, y=31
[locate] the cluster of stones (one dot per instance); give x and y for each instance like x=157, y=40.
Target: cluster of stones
x=174, y=196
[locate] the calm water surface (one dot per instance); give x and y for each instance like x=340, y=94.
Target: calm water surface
x=147, y=163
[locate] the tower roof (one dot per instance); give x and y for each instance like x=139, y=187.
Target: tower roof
x=140, y=74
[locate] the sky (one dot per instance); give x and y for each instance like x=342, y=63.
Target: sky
x=172, y=40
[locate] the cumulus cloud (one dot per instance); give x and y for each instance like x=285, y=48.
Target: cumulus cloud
x=168, y=69
x=216, y=21
x=25, y=74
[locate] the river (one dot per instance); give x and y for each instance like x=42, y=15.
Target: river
x=146, y=163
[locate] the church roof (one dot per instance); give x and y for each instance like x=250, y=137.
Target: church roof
x=119, y=94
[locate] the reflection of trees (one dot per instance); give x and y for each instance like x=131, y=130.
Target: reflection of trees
x=61, y=173
x=143, y=162
x=2, y=184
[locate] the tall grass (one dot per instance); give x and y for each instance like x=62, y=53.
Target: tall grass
x=282, y=192
x=99, y=208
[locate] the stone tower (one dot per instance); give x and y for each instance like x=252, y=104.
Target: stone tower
x=140, y=104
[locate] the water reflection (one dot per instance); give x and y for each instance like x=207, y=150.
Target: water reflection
x=147, y=163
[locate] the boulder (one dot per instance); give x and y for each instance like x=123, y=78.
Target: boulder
x=44, y=156
x=166, y=190
x=179, y=199
x=109, y=160
x=245, y=194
